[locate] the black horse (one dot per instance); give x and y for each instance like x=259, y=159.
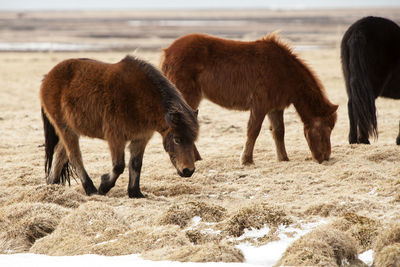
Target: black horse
x=370, y=52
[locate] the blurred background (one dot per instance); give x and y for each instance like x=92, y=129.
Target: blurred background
x=118, y=25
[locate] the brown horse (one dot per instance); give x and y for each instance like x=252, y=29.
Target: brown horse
x=262, y=76
x=126, y=101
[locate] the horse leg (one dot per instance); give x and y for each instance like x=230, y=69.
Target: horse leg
x=398, y=136
x=363, y=137
x=60, y=159
x=108, y=180
x=353, y=136
x=253, y=129
x=136, y=148
x=278, y=132
x=71, y=143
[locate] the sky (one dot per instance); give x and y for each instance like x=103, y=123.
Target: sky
x=26, y=5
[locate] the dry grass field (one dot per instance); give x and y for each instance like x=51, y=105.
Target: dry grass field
x=357, y=192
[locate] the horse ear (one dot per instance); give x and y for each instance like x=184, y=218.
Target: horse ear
x=334, y=108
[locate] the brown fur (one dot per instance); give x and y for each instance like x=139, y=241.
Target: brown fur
x=121, y=102
x=262, y=76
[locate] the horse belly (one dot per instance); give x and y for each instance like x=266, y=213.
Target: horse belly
x=84, y=119
x=228, y=93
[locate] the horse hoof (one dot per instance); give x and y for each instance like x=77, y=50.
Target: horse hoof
x=105, y=184
x=90, y=189
x=363, y=141
x=283, y=159
x=246, y=162
x=103, y=189
x=135, y=194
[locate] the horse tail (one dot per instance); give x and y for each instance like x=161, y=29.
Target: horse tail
x=361, y=90
x=51, y=139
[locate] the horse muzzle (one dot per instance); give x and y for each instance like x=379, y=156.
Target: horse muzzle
x=186, y=172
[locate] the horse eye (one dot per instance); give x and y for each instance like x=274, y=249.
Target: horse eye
x=177, y=140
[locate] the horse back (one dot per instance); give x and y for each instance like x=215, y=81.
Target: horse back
x=230, y=73
x=95, y=98
x=375, y=43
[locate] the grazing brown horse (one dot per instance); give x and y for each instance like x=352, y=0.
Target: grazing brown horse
x=126, y=101
x=262, y=76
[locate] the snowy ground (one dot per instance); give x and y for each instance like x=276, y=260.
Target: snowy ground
x=266, y=255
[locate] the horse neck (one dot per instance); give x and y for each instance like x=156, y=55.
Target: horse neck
x=311, y=103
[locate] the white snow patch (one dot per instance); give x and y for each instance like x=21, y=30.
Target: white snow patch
x=270, y=253
x=210, y=231
x=367, y=257
x=373, y=192
x=196, y=220
x=254, y=233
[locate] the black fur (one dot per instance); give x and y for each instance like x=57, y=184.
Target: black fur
x=370, y=53
x=50, y=141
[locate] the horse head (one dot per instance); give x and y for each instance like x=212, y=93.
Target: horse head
x=178, y=141
x=318, y=135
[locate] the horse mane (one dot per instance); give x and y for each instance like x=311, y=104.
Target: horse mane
x=172, y=102
x=322, y=106
x=276, y=39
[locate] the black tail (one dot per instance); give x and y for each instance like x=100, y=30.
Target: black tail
x=361, y=91
x=50, y=141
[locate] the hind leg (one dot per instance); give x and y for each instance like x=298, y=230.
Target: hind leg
x=71, y=143
x=398, y=136
x=253, y=129
x=108, y=180
x=278, y=132
x=136, y=148
x=60, y=159
x=353, y=135
x=362, y=137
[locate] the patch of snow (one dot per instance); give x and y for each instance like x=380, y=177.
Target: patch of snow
x=196, y=220
x=210, y=231
x=254, y=233
x=367, y=257
x=270, y=253
x=373, y=192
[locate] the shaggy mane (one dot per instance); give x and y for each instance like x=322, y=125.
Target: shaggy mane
x=172, y=101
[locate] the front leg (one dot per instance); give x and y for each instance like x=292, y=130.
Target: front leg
x=278, y=132
x=137, y=148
